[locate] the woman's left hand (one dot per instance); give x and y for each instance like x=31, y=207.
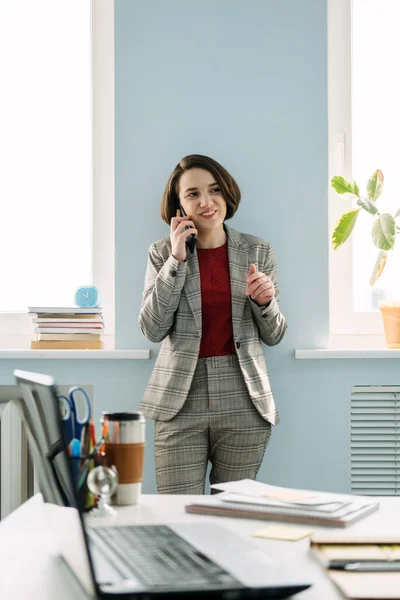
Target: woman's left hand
x=259, y=287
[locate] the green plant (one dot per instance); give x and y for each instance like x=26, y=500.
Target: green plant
x=384, y=228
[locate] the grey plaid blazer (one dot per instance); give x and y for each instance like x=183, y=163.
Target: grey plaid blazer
x=171, y=313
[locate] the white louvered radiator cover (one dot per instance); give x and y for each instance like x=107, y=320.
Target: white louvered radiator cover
x=375, y=440
x=16, y=477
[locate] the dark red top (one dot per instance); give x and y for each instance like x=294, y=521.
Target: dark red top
x=216, y=307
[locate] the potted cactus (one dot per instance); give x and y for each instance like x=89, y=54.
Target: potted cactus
x=384, y=231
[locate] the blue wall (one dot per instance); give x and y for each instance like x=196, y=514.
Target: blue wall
x=246, y=83
x=243, y=82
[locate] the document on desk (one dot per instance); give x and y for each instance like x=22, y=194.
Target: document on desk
x=252, y=499
x=247, y=488
x=367, y=586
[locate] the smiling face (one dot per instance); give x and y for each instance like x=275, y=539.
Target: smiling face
x=201, y=198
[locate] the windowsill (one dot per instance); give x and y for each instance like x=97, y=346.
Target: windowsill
x=334, y=353
x=74, y=354
x=350, y=346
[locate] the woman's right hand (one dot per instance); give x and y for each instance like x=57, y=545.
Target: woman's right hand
x=178, y=235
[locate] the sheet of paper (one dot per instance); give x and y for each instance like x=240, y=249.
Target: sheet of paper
x=289, y=495
x=327, y=509
x=289, y=533
x=256, y=489
x=365, y=586
x=248, y=487
x=360, y=552
x=388, y=535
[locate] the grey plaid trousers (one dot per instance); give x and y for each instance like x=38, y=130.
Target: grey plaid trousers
x=218, y=423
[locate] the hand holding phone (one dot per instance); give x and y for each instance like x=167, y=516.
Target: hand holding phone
x=182, y=228
x=191, y=239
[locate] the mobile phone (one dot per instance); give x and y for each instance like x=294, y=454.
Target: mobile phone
x=191, y=239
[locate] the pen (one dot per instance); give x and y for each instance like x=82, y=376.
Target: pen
x=365, y=565
x=92, y=434
x=86, y=442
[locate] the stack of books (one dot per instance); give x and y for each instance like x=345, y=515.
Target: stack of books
x=59, y=328
x=364, y=564
x=254, y=500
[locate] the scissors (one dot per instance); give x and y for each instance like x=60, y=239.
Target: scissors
x=75, y=413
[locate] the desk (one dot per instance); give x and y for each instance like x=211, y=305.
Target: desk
x=29, y=572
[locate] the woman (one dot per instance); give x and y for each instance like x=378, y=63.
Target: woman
x=209, y=392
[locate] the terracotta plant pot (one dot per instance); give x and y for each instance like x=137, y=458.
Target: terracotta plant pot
x=391, y=323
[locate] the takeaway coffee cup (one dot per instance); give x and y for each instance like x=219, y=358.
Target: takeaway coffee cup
x=124, y=434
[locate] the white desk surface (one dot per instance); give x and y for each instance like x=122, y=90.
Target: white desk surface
x=29, y=572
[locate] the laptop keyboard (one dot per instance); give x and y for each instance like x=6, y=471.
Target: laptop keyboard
x=159, y=557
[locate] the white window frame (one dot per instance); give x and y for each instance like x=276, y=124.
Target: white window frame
x=16, y=329
x=347, y=328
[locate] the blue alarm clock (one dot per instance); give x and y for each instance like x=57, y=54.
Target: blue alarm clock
x=87, y=296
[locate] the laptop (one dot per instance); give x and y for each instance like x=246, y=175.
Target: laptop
x=183, y=560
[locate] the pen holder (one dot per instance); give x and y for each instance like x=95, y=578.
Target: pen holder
x=81, y=467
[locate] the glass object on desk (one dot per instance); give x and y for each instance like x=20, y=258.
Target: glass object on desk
x=103, y=482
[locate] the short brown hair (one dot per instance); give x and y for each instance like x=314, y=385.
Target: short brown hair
x=229, y=188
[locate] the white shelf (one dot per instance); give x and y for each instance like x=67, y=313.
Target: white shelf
x=322, y=353
x=75, y=354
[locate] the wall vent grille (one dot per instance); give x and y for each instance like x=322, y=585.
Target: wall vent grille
x=375, y=440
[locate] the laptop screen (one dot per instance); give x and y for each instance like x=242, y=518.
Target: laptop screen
x=47, y=444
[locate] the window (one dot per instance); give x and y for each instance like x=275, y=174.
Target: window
x=57, y=225
x=364, y=135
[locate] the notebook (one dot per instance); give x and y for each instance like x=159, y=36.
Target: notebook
x=192, y=560
x=255, y=500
